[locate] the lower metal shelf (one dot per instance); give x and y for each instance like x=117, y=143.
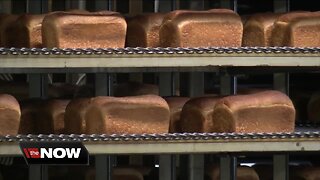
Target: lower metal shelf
x=185, y=143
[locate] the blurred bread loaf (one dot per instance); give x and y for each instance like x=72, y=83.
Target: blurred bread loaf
x=175, y=105
x=9, y=115
x=257, y=30
x=25, y=32
x=143, y=30
x=196, y=114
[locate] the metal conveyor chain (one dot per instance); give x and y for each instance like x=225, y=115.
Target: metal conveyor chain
x=184, y=137
x=159, y=51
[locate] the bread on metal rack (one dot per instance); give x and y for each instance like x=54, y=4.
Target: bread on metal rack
x=84, y=30
x=9, y=115
x=181, y=28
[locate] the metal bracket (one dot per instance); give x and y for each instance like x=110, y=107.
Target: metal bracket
x=280, y=167
x=228, y=168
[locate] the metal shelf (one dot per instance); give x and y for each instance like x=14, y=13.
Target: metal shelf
x=185, y=143
x=153, y=59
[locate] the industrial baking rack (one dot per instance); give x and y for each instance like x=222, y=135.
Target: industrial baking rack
x=224, y=62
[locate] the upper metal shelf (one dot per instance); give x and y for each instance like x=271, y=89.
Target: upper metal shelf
x=300, y=141
x=25, y=60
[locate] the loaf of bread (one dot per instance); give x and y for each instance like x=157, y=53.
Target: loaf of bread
x=143, y=30
x=135, y=89
x=25, y=32
x=257, y=30
x=305, y=173
x=51, y=116
x=175, y=105
x=243, y=173
x=182, y=28
x=268, y=111
x=93, y=30
x=5, y=21
x=74, y=118
x=196, y=114
x=9, y=115
x=29, y=116
x=130, y=115
x=298, y=29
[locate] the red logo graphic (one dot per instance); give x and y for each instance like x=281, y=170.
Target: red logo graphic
x=31, y=152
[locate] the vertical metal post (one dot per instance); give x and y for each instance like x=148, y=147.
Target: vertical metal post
x=228, y=164
x=196, y=167
x=79, y=4
x=5, y=6
x=101, y=5
x=228, y=168
x=104, y=163
x=281, y=82
x=228, y=84
x=280, y=167
x=281, y=6
x=167, y=165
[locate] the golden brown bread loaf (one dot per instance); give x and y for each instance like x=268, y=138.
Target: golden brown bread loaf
x=5, y=21
x=93, y=30
x=25, y=32
x=243, y=173
x=132, y=115
x=257, y=30
x=268, y=111
x=135, y=89
x=298, y=29
x=74, y=118
x=196, y=114
x=175, y=105
x=51, y=116
x=201, y=29
x=143, y=30
x=9, y=115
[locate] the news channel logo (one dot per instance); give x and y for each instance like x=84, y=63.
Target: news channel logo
x=55, y=153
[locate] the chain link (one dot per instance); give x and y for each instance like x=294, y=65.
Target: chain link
x=162, y=137
x=160, y=51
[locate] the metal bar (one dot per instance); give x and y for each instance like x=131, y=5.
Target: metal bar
x=35, y=172
x=280, y=167
x=228, y=168
x=281, y=6
x=228, y=84
x=196, y=167
x=103, y=164
x=281, y=82
x=166, y=84
x=167, y=167
x=101, y=5
x=5, y=6
x=103, y=84
x=79, y=4
x=38, y=85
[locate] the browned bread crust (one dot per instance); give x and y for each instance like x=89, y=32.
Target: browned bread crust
x=183, y=28
x=9, y=115
x=196, y=115
x=258, y=28
x=25, y=32
x=138, y=114
x=143, y=30
x=175, y=105
x=268, y=111
x=87, y=30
